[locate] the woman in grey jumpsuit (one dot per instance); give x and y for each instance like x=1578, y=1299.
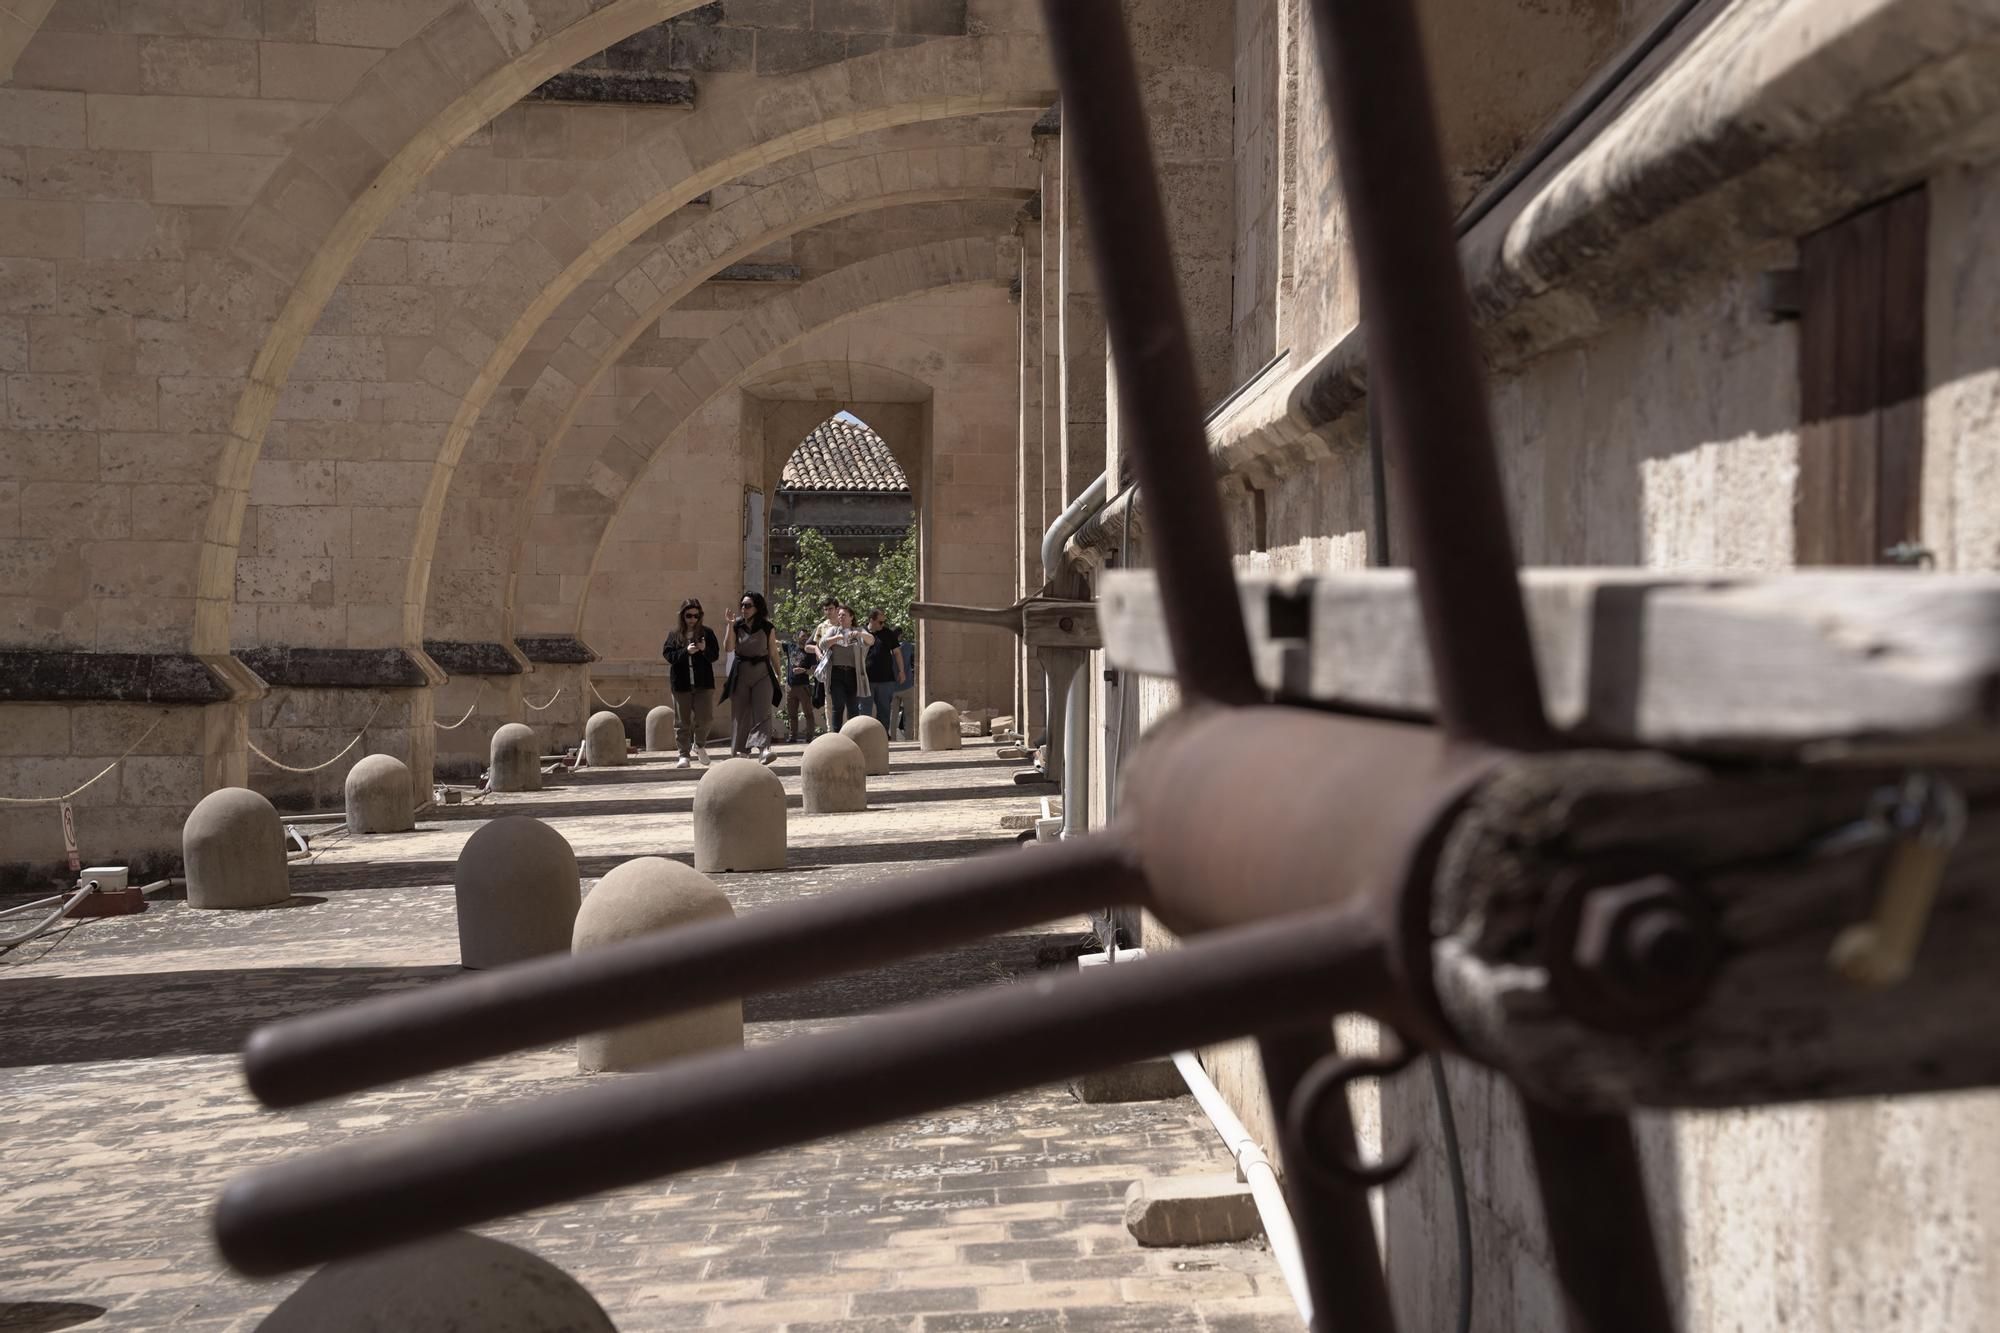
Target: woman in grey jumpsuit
x=752, y=684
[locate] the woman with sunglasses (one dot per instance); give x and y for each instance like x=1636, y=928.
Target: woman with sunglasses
x=752, y=685
x=691, y=651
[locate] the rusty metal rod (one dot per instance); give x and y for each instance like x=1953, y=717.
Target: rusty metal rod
x=399, y=1187
x=1594, y=1204
x=1336, y=1230
x=530, y=1004
x=1425, y=374
x=1159, y=402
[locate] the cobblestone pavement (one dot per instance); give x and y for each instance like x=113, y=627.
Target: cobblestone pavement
x=121, y=1112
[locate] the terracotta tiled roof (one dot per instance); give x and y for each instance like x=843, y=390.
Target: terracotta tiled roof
x=843, y=455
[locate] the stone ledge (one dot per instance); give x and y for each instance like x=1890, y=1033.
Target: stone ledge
x=29, y=675
x=341, y=668
x=556, y=650
x=1145, y=1081
x=1191, y=1210
x=458, y=658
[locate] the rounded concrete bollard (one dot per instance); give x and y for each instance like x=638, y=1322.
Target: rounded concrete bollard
x=448, y=1283
x=834, y=775
x=638, y=898
x=604, y=741
x=233, y=845
x=660, y=730
x=739, y=818
x=869, y=734
x=379, y=796
x=937, y=729
x=517, y=891
x=516, y=759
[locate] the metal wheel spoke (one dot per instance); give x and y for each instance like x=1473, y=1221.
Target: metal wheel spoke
x=531, y=1004
x=1424, y=374
x=1158, y=401
x=716, y=1107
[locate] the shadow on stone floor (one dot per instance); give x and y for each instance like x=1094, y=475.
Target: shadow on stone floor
x=682, y=805
x=142, y=1015
x=45, y=1316
x=134, y=1015
x=410, y=874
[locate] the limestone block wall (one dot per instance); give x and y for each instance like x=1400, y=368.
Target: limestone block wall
x=306, y=728
x=130, y=816
x=468, y=710
x=336, y=493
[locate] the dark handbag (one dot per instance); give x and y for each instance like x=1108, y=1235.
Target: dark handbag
x=819, y=695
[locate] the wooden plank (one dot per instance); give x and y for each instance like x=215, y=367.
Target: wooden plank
x=1061, y=624
x=1043, y=622
x=1727, y=664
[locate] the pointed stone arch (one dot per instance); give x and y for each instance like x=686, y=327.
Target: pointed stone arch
x=570, y=519
x=491, y=487
x=347, y=172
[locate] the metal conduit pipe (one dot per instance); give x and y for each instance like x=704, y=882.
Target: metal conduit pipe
x=1075, y=709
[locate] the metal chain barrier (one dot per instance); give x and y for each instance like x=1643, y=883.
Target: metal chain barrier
x=331, y=762
x=57, y=800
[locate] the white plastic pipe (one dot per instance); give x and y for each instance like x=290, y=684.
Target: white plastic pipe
x=14, y=941
x=1259, y=1175
x=1256, y=1168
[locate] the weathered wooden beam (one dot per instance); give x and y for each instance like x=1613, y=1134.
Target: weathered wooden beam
x=1724, y=664
x=1782, y=859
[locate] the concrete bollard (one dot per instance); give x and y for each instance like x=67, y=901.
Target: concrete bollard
x=517, y=890
x=739, y=818
x=516, y=759
x=937, y=729
x=660, y=730
x=604, y=741
x=868, y=733
x=233, y=845
x=834, y=775
x=450, y=1282
x=379, y=796
x=635, y=899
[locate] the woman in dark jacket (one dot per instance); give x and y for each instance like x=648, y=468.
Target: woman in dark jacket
x=691, y=651
x=752, y=687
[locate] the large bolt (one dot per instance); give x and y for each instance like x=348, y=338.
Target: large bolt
x=1647, y=947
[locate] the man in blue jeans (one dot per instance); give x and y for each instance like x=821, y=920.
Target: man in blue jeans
x=885, y=666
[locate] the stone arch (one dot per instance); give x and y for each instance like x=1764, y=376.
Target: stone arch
x=492, y=485
x=627, y=194
x=569, y=520
x=199, y=296
x=20, y=20
x=349, y=170
x=810, y=381
x=622, y=198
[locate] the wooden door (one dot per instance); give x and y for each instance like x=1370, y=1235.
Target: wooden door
x=1861, y=385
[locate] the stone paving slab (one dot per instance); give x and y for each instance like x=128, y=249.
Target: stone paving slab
x=122, y=1113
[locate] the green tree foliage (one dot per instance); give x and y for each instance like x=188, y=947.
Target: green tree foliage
x=888, y=581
